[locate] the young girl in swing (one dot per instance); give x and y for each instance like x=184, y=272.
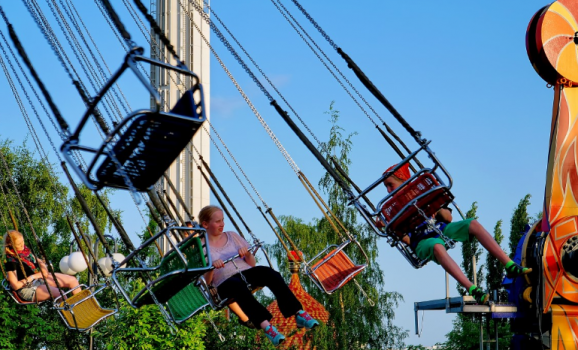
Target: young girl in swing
x=432, y=247
x=30, y=284
x=231, y=281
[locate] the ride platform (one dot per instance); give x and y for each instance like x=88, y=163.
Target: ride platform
x=465, y=304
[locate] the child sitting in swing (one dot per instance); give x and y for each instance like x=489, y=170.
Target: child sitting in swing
x=231, y=280
x=27, y=275
x=432, y=247
x=234, y=307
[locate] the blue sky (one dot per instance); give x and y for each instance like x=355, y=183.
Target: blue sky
x=457, y=71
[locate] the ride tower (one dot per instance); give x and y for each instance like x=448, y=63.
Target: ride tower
x=174, y=18
x=547, y=299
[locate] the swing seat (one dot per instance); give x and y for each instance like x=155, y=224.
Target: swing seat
x=186, y=303
x=175, y=275
x=401, y=209
x=136, y=153
x=82, y=311
x=334, y=270
x=14, y=295
x=149, y=145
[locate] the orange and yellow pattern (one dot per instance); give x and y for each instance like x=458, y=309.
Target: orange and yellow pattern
x=555, y=35
x=557, y=283
x=556, y=44
x=552, y=44
x=564, y=334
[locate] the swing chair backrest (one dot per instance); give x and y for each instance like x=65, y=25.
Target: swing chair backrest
x=175, y=274
x=14, y=295
x=334, y=270
x=82, y=311
x=425, y=192
x=144, y=144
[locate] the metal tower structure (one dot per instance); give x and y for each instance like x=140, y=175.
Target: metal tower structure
x=174, y=18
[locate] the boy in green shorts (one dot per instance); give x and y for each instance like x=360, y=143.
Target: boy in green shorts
x=433, y=248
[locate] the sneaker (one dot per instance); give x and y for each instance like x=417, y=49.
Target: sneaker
x=274, y=336
x=305, y=320
x=480, y=295
x=514, y=270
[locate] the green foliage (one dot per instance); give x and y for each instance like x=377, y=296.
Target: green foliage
x=33, y=194
x=353, y=322
x=236, y=337
x=518, y=222
x=495, y=267
x=469, y=337
x=466, y=328
x=471, y=250
x=145, y=328
x=44, y=199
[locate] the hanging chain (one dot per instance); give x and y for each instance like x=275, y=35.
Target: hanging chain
x=248, y=101
x=263, y=74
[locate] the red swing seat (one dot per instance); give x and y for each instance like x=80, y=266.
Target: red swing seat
x=401, y=209
x=15, y=295
x=334, y=270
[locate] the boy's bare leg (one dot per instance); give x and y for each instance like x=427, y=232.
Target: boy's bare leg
x=488, y=242
x=446, y=261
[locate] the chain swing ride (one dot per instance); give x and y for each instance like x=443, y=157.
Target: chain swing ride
x=118, y=169
x=129, y=159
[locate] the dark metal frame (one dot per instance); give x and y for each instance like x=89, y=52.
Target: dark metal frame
x=133, y=57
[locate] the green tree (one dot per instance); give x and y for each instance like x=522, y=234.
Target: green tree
x=32, y=327
x=495, y=268
x=465, y=330
x=471, y=250
x=519, y=220
x=47, y=204
x=494, y=279
x=353, y=321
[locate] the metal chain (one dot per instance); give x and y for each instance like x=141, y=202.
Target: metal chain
x=103, y=75
x=321, y=31
x=430, y=222
x=49, y=35
x=253, y=109
x=80, y=55
x=19, y=101
x=227, y=44
x=326, y=66
x=388, y=128
x=237, y=164
x=263, y=74
x=72, y=8
x=20, y=105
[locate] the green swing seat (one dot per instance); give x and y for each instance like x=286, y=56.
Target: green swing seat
x=175, y=276
x=186, y=303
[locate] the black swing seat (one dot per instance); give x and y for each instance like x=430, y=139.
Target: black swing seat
x=14, y=295
x=179, y=268
x=143, y=145
x=149, y=145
